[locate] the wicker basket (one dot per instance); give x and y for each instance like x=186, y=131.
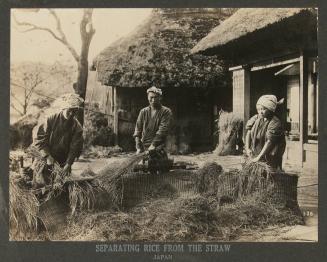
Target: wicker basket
x=53, y=213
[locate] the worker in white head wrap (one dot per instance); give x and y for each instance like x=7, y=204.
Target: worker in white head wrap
x=155, y=90
x=67, y=103
x=152, y=125
x=265, y=138
x=269, y=102
x=59, y=136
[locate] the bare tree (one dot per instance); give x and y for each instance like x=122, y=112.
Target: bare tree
x=38, y=81
x=27, y=81
x=86, y=30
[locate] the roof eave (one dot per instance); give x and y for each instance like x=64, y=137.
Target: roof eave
x=214, y=49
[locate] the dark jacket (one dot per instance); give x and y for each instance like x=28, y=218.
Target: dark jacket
x=60, y=137
x=153, y=130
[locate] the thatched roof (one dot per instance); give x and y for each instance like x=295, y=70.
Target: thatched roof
x=158, y=52
x=247, y=21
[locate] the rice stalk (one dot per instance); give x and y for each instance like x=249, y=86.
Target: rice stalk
x=23, y=207
x=81, y=195
x=206, y=179
x=255, y=177
x=57, y=177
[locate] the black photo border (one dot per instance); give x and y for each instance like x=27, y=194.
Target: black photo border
x=86, y=251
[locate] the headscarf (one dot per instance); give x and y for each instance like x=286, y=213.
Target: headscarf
x=270, y=102
x=69, y=100
x=154, y=90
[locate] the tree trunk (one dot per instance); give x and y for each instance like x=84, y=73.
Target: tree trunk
x=87, y=33
x=82, y=84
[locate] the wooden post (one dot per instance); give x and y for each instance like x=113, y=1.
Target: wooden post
x=241, y=94
x=311, y=104
x=303, y=103
x=115, y=107
x=314, y=113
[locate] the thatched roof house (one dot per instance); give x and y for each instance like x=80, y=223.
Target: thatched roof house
x=274, y=51
x=252, y=29
x=158, y=53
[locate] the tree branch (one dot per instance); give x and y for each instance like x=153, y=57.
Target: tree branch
x=61, y=38
x=18, y=85
x=35, y=27
x=37, y=81
x=17, y=110
x=17, y=100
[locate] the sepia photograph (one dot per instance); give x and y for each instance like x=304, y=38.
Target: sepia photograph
x=148, y=125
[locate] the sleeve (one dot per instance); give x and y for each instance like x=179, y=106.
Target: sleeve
x=42, y=135
x=274, y=130
x=164, y=127
x=251, y=122
x=76, y=144
x=139, y=125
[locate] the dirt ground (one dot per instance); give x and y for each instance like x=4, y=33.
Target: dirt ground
x=196, y=160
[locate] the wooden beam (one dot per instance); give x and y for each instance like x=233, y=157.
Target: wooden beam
x=235, y=68
x=270, y=64
x=303, y=103
x=284, y=69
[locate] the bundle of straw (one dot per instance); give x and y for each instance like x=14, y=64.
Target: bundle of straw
x=255, y=177
x=57, y=177
x=81, y=193
x=258, y=168
x=229, y=127
x=23, y=207
x=207, y=178
x=110, y=179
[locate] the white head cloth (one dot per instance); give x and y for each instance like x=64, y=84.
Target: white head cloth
x=269, y=101
x=154, y=90
x=69, y=100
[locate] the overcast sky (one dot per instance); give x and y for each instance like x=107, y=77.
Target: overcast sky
x=110, y=24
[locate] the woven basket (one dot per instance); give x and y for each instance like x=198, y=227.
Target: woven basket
x=137, y=187
x=53, y=213
x=284, y=187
